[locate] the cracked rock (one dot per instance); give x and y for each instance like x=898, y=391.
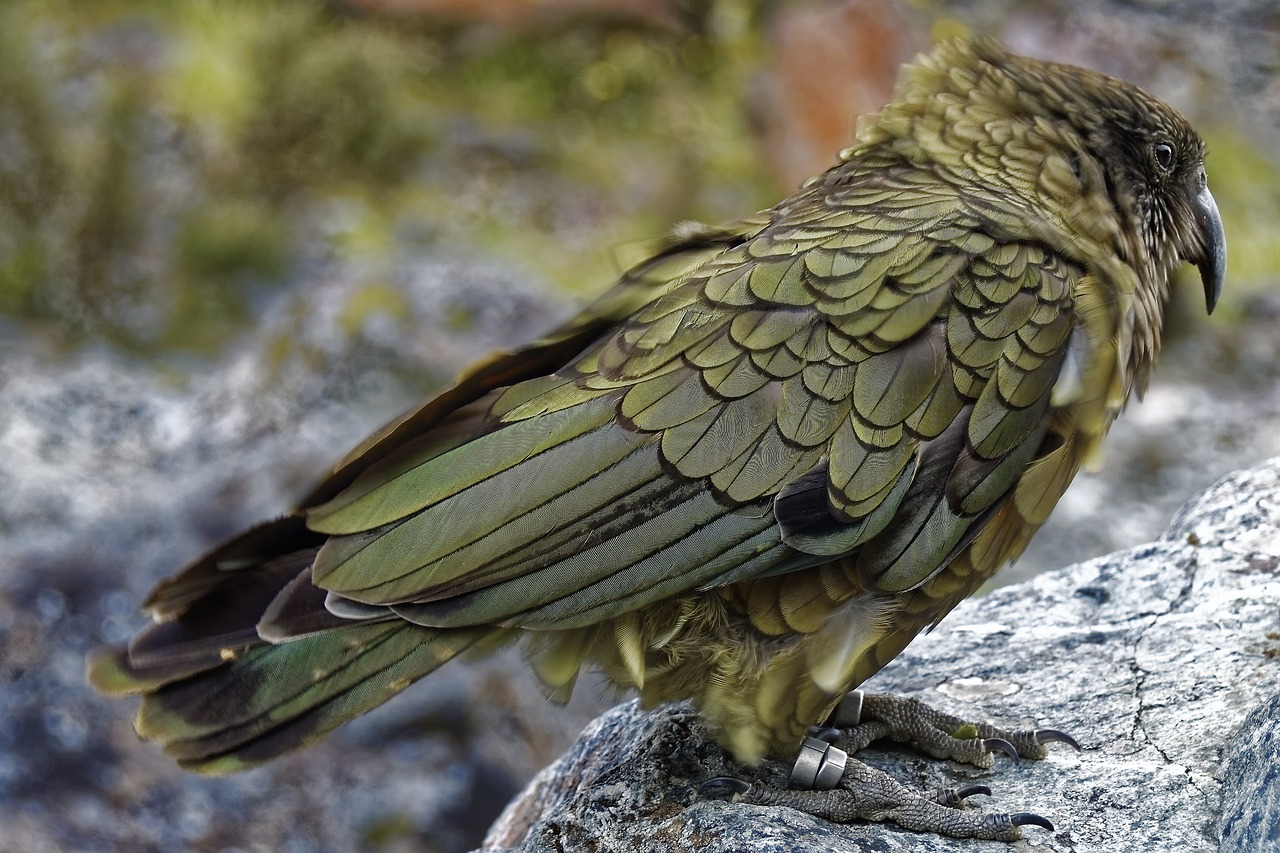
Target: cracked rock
x=1163, y=660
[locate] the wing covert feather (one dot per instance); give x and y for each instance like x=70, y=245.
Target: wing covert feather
x=882, y=383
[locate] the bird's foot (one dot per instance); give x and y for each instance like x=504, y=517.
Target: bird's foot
x=864, y=793
x=827, y=783
x=862, y=718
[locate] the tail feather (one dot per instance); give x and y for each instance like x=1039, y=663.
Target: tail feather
x=324, y=707
x=111, y=671
x=224, y=564
x=247, y=662
x=226, y=617
x=271, y=699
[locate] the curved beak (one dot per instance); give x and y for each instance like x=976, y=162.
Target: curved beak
x=1213, y=256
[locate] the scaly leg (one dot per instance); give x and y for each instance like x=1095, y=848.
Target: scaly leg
x=862, y=718
x=855, y=791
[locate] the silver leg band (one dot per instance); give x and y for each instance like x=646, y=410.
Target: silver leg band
x=849, y=712
x=819, y=766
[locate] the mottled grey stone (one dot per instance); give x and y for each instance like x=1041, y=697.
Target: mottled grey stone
x=1251, y=783
x=1163, y=660
x=113, y=473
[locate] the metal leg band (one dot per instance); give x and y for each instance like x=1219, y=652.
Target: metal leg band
x=819, y=765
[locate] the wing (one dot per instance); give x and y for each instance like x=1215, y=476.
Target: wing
x=865, y=378
x=221, y=689
x=449, y=417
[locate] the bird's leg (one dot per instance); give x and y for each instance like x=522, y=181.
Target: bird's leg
x=862, y=718
x=850, y=790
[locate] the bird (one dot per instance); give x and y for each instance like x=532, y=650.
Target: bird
x=752, y=470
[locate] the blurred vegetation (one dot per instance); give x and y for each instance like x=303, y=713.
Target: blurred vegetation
x=163, y=166
x=1246, y=184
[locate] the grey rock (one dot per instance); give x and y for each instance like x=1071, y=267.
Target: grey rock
x=114, y=473
x=1163, y=660
x=1251, y=783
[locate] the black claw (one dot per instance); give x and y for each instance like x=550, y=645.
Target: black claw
x=1029, y=819
x=965, y=791
x=829, y=734
x=991, y=744
x=722, y=788
x=1055, y=736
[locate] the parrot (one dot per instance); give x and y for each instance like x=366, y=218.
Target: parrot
x=748, y=474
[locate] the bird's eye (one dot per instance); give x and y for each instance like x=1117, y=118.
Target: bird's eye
x=1163, y=152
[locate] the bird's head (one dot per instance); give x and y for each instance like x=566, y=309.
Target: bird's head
x=1139, y=182
x=1151, y=161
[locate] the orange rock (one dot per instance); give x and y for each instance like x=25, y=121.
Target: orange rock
x=831, y=62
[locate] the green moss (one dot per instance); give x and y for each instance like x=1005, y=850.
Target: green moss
x=232, y=241
x=378, y=298
x=392, y=832
x=165, y=163
x=1246, y=185
x=23, y=267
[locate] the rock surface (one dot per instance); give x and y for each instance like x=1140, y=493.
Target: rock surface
x=1163, y=660
x=112, y=474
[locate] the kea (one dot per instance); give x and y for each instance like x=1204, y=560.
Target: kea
x=751, y=472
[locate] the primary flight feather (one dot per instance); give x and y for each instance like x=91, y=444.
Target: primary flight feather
x=755, y=469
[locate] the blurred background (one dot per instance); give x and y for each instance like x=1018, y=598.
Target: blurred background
x=235, y=237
